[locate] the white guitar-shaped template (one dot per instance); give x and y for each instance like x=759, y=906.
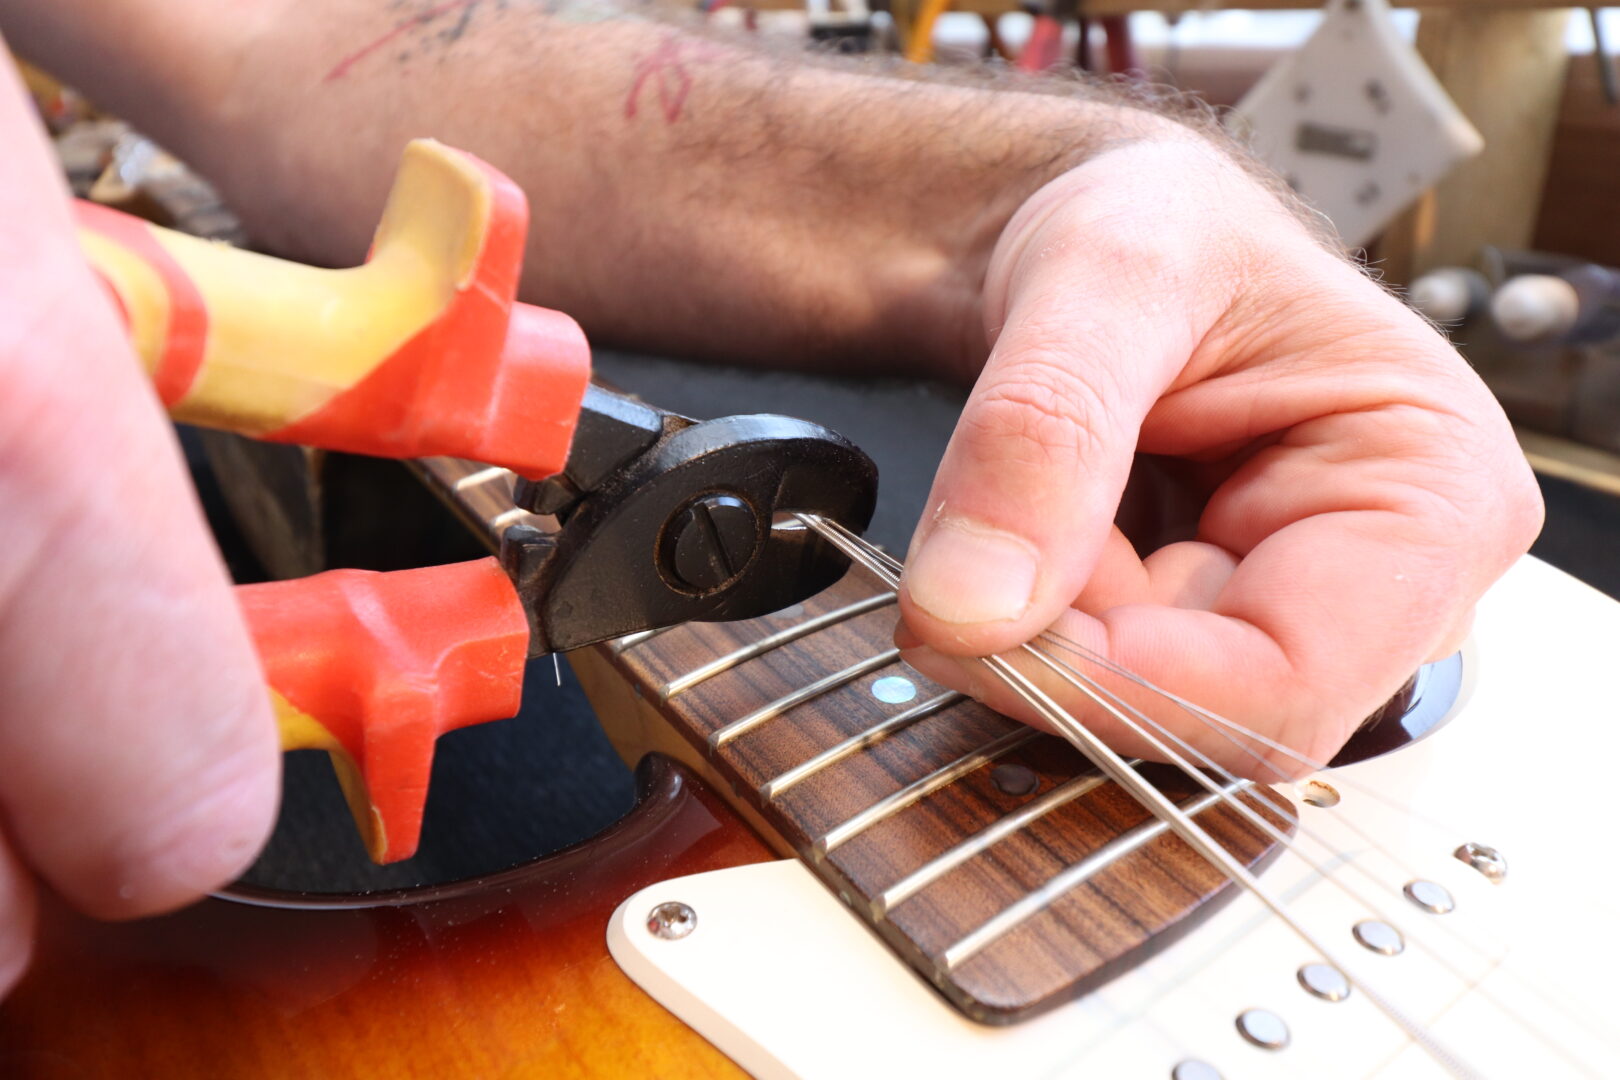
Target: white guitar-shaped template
x=1355, y=121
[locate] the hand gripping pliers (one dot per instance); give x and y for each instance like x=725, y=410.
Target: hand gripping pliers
x=424, y=351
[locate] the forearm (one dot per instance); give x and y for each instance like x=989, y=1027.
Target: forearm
x=687, y=193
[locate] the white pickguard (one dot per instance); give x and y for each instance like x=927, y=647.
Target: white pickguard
x=1519, y=980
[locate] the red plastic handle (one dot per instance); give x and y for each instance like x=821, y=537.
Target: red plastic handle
x=423, y=351
x=375, y=667
x=489, y=379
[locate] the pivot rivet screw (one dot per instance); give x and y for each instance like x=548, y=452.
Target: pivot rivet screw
x=709, y=542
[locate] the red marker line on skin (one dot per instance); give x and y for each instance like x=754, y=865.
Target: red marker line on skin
x=355, y=57
x=667, y=68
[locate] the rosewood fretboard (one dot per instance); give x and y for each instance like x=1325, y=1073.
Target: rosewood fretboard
x=992, y=858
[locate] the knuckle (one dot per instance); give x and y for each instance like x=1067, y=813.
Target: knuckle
x=1488, y=503
x=1040, y=415
x=1523, y=511
x=1463, y=484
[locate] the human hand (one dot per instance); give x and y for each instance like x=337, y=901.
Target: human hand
x=1363, y=488
x=139, y=757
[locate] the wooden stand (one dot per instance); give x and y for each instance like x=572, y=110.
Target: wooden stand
x=1504, y=67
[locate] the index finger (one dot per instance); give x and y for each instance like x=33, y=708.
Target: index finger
x=140, y=755
x=1363, y=535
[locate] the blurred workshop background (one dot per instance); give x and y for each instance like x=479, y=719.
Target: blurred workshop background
x=1468, y=152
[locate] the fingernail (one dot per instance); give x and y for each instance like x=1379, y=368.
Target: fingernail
x=970, y=573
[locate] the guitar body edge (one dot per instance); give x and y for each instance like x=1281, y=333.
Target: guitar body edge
x=506, y=977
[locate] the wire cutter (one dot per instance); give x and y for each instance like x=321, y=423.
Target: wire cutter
x=424, y=351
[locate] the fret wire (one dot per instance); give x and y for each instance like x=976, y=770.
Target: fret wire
x=683, y=683
x=777, y=785
x=1031, y=904
x=781, y=705
x=508, y=517
x=933, y=870
x=481, y=477
x=630, y=641
x=899, y=800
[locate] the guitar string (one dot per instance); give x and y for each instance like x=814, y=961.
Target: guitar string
x=895, y=566
x=892, y=566
x=1201, y=842
x=1231, y=726
x=1090, y=686
x=1053, y=639
x=1128, y=778
x=1193, y=834
x=1569, y=1009
x=878, y=562
x=1070, y=674
x=1225, y=727
x=1230, y=729
x=886, y=566
x=1212, y=718
x=487, y=476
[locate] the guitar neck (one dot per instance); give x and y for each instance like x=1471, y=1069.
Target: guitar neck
x=992, y=858
x=480, y=495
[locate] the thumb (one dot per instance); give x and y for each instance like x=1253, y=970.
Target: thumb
x=1025, y=497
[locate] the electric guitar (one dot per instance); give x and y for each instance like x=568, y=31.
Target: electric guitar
x=839, y=869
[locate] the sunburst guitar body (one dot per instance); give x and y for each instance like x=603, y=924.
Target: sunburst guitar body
x=838, y=869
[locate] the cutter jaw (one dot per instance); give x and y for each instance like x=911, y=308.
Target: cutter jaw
x=682, y=528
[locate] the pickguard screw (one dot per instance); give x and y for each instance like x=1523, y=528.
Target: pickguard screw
x=671, y=920
x=1487, y=860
